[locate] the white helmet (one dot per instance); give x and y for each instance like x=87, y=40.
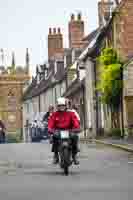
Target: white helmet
x=61, y=101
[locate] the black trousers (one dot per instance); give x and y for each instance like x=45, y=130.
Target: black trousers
x=74, y=142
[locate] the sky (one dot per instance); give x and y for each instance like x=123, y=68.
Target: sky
x=25, y=23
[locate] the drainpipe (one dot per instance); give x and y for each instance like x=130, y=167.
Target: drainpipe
x=39, y=103
x=121, y=103
x=96, y=97
x=84, y=103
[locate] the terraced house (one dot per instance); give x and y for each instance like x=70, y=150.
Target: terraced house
x=55, y=76
x=115, y=30
x=74, y=72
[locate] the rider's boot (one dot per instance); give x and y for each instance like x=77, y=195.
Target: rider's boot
x=56, y=158
x=75, y=160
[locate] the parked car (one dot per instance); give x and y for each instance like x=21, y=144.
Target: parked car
x=39, y=129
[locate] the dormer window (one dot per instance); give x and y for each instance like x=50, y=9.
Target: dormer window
x=55, y=67
x=38, y=78
x=46, y=73
x=73, y=55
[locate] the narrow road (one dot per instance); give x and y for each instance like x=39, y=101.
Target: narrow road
x=26, y=173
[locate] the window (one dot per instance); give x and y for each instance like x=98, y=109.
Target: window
x=65, y=61
x=73, y=56
x=61, y=91
x=27, y=108
x=38, y=79
x=55, y=67
x=46, y=73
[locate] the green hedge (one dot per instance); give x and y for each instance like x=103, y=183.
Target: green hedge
x=115, y=132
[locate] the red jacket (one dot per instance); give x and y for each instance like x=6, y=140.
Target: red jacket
x=63, y=120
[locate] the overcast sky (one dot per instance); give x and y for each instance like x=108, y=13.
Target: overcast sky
x=25, y=23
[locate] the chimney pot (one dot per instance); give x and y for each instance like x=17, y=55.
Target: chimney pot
x=79, y=16
x=54, y=30
x=72, y=17
x=59, y=30
x=50, y=31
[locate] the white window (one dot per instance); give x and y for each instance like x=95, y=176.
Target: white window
x=65, y=61
x=61, y=91
x=27, y=108
x=73, y=55
x=46, y=73
x=55, y=67
x=38, y=79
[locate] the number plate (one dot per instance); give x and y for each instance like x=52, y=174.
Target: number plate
x=64, y=134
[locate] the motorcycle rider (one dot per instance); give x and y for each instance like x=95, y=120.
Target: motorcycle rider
x=2, y=134
x=46, y=118
x=48, y=114
x=72, y=108
x=66, y=120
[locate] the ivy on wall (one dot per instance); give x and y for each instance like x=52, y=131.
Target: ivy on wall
x=110, y=83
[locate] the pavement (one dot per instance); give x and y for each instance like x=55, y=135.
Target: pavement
x=26, y=173
x=124, y=144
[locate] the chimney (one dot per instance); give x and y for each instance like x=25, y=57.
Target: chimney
x=55, y=44
x=76, y=31
x=104, y=11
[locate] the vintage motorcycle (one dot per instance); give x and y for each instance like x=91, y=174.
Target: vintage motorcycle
x=65, y=149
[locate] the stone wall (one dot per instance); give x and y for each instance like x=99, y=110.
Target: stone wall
x=11, y=90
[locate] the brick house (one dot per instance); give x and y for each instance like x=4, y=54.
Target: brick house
x=82, y=88
x=43, y=92
x=114, y=31
x=118, y=34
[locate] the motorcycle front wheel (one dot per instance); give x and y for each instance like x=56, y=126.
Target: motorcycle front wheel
x=66, y=161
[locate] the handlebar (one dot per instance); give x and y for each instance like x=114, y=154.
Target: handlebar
x=54, y=131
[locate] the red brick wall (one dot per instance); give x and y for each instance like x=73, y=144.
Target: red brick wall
x=125, y=28
x=76, y=32
x=55, y=43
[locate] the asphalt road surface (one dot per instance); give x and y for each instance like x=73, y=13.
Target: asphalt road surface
x=26, y=173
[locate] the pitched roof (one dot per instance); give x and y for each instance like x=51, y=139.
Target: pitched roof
x=36, y=89
x=91, y=35
x=75, y=85
x=29, y=90
x=92, y=49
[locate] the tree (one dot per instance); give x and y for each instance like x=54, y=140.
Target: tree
x=110, y=84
